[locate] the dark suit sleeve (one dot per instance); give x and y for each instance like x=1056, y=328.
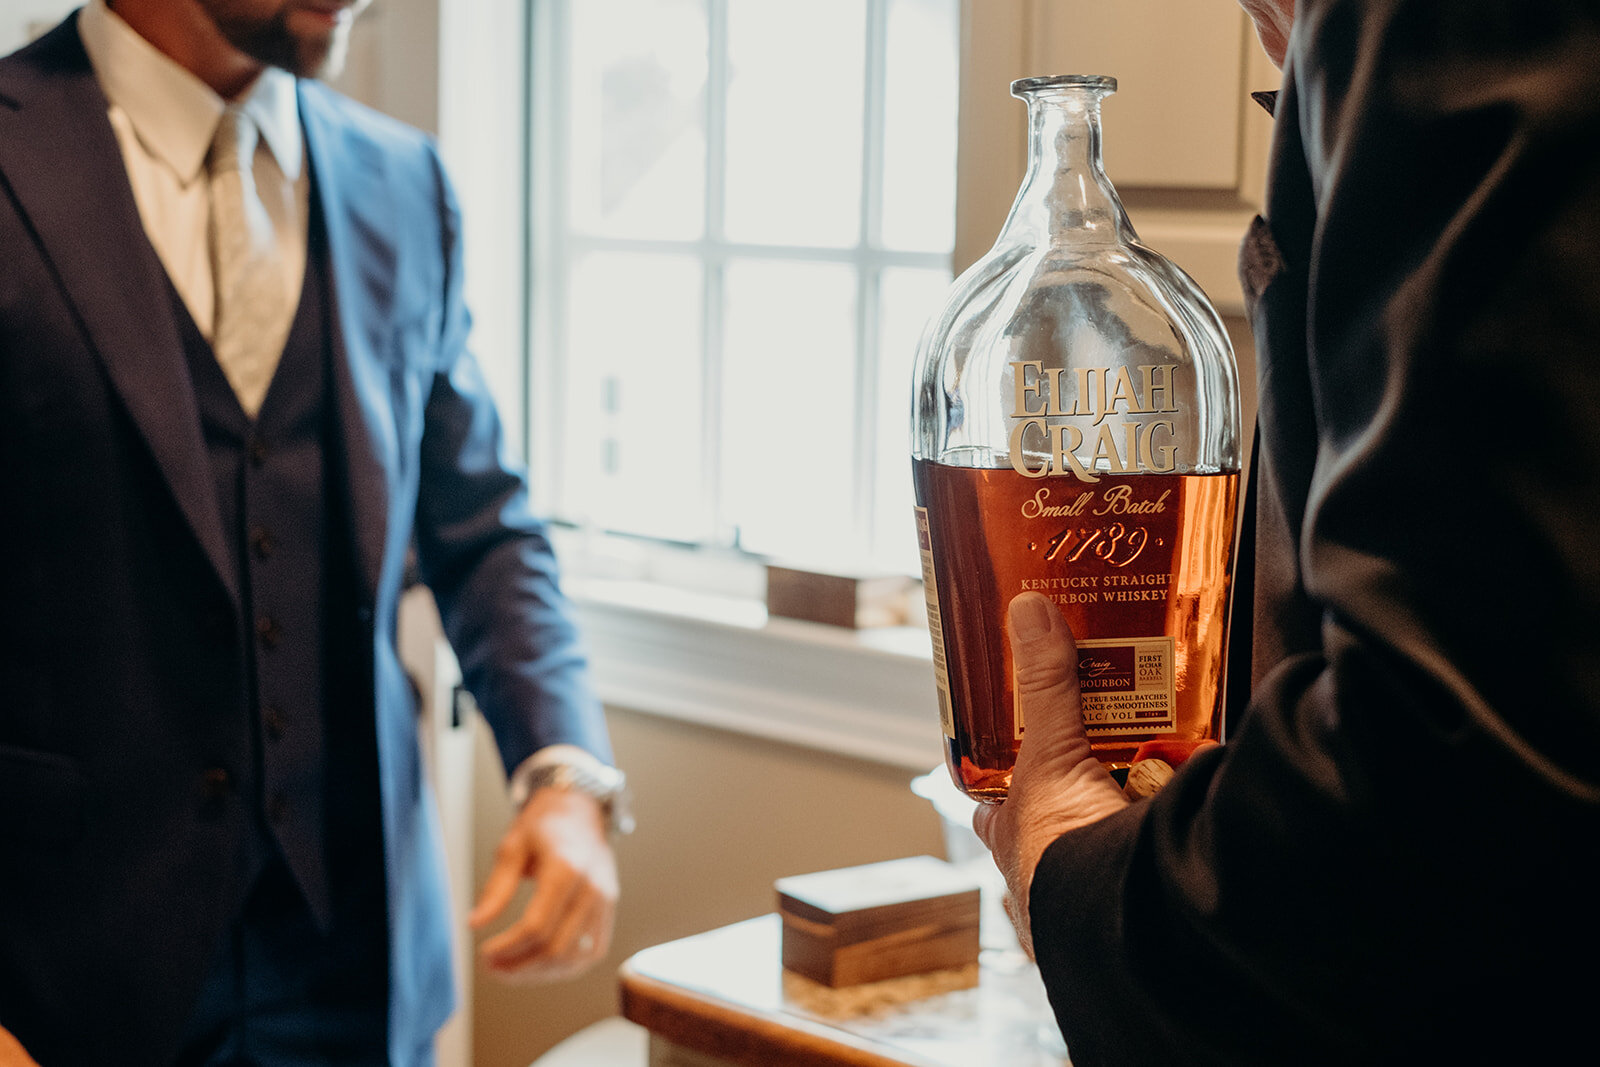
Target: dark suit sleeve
x=487, y=559
x=1392, y=858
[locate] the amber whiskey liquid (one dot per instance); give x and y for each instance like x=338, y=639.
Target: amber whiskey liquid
x=1139, y=566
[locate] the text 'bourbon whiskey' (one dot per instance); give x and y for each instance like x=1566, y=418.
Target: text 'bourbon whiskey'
x=1075, y=434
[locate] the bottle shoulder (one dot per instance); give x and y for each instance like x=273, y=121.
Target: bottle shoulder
x=1053, y=300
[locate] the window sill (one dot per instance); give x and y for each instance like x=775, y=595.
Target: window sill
x=720, y=661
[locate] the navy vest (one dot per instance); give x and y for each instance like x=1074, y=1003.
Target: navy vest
x=307, y=695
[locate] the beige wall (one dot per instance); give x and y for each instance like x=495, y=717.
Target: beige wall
x=720, y=817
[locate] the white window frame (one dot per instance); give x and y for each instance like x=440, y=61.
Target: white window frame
x=552, y=247
x=709, y=654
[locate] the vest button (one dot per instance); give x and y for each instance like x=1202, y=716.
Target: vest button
x=262, y=541
x=267, y=630
x=258, y=451
x=274, y=723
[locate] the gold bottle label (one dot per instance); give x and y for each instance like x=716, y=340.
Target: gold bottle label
x=1127, y=684
x=930, y=587
x=1092, y=420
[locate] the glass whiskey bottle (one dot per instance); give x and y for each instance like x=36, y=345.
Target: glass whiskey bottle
x=1075, y=431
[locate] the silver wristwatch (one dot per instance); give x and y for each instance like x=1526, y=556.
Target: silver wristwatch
x=606, y=784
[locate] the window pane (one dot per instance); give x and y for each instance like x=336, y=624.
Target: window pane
x=673, y=136
x=632, y=443
x=788, y=441
x=907, y=298
x=637, y=123
x=794, y=121
x=919, y=150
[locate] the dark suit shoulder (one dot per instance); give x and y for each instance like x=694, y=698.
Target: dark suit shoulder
x=56, y=52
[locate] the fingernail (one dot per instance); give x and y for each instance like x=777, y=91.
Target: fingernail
x=1031, y=617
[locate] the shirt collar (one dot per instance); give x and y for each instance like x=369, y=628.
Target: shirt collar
x=173, y=113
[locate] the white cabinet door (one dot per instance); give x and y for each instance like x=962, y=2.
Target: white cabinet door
x=1175, y=120
x=1184, y=144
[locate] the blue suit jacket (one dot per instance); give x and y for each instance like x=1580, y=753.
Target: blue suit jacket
x=121, y=665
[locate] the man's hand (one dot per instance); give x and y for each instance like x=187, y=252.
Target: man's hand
x=558, y=840
x=13, y=1054
x=1057, y=784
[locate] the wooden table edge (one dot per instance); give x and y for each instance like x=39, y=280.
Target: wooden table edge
x=710, y=1025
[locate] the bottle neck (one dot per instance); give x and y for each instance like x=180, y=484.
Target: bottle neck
x=1066, y=195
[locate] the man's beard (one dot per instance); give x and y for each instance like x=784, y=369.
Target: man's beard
x=273, y=42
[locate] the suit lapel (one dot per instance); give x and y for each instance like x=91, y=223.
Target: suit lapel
x=347, y=180
x=60, y=158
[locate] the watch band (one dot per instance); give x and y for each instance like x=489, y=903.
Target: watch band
x=605, y=784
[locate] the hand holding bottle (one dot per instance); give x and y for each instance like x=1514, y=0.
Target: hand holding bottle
x=1057, y=784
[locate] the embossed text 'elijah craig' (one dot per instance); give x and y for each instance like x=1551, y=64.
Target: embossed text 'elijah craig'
x=1076, y=434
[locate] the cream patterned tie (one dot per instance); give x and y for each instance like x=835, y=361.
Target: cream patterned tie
x=250, y=325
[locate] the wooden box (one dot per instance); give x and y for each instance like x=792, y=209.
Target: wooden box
x=878, y=921
x=851, y=600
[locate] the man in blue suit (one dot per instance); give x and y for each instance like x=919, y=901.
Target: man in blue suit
x=221, y=438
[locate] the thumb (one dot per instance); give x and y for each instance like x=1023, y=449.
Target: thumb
x=1044, y=660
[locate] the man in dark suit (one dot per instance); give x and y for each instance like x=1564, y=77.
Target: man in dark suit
x=1392, y=858
x=234, y=397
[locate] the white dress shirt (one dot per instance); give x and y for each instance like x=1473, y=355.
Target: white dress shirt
x=164, y=118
